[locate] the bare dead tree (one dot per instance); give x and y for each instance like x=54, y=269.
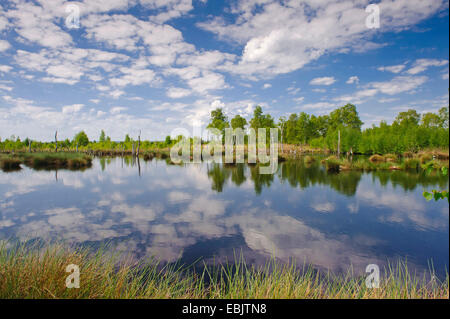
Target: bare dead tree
x=56, y=141
x=139, y=143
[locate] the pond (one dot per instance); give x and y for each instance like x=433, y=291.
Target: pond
x=214, y=212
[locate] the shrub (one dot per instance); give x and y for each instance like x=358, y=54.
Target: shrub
x=411, y=163
x=10, y=164
x=377, y=158
x=309, y=159
x=408, y=155
x=391, y=157
x=332, y=164
x=425, y=158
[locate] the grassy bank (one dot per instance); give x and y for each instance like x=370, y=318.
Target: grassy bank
x=409, y=161
x=63, y=160
x=40, y=273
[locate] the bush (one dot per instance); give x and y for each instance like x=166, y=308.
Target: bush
x=425, y=158
x=411, y=163
x=332, y=164
x=408, y=155
x=377, y=158
x=391, y=157
x=309, y=159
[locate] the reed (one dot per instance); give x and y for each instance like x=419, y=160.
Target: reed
x=40, y=272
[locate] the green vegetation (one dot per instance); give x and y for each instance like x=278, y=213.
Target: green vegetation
x=9, y=164
x=410, y=132
x=300, y=173
x=31, y=272
x=45, y=161
x=435, y=194
x=419, y=162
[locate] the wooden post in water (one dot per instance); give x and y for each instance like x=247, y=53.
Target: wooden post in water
x=132, y=149
x=56, y=141
x=339, y=143
x=139, y=144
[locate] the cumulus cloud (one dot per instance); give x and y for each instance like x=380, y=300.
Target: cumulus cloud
x=327, y=80
x=393, y=68
x=399, y=84
x=176, y=93
x=423, y=64
x=4, y=45
x=352, y=79
x=74, y=108
x=280, y=37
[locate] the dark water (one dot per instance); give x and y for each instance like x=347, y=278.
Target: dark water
x=212, y=211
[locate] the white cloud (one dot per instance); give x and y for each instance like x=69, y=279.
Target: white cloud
x=116, y=93
x=74, y=108
x=5, y=87
x=280, y=37
x=170, y=8
x=422, y=64
x=393, y=68
x=267, y=85
x=4, y=45
x=299, y=99
x=34, y=23
x=117, y=109
x=352, y=79
x=5, y=68
x=399, y=84
x=327, y=80
x=319, y=105
x=176, y=93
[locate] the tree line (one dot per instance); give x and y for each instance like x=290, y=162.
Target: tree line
x=410, y=131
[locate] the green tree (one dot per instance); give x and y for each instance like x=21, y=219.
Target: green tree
x=346, y=116
x=261, y=120
x=291, y=129
x=127, y=138
x=443, y=115
x=431, y=120
x=408, y=118
x=238, y=122
x=102, y=136
x=81, y=138
x=219, y=121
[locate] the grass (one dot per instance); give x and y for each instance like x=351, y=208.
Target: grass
x=9, y=164
x=46, y=160
x=415, y=162
x=33, y=272
x=332, y=163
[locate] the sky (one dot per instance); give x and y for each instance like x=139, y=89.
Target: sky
x=160, y=65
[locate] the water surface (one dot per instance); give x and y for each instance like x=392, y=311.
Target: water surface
x=212, y=211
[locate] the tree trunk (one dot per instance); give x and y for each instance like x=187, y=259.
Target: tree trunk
x=339, y=143
x=56, y=141
x=139, y=144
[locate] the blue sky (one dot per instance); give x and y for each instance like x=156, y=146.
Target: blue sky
x=155, y=65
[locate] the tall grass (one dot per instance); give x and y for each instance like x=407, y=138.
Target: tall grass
x=8, y=163
x=33, y=272
x=47, y=160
